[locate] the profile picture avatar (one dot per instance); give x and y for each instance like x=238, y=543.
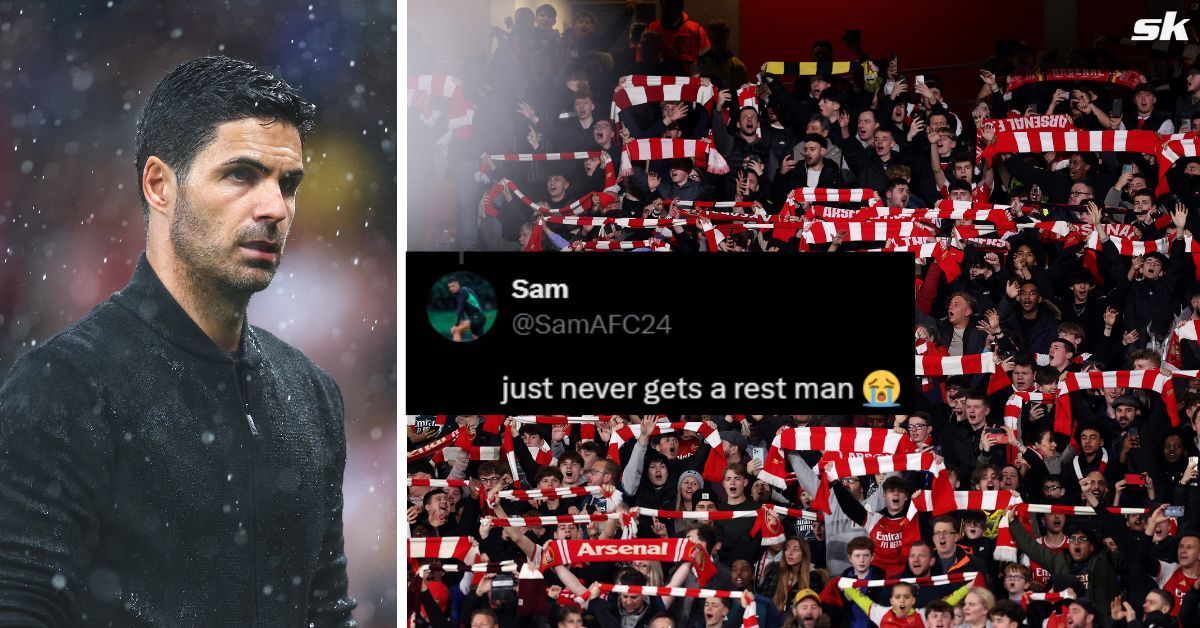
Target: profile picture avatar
x=462, y=306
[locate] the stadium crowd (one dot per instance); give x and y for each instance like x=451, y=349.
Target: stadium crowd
x=1048, y=475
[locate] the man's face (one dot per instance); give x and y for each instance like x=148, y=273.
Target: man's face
x=571, y=470
x=867, y=125
x=438, y=506
x=556, y=185
x=668, y=446
x=1059, y=355
x=482, y=621
x=964, y=171
x=1053, y=488
x=1143, y=205
x=1077, y=617
x=829, y=108
x=584, y=25
x=1078, y=170
x=631, y=603
x=1155, y=603
x=678, y=176
x=1002, y=621
x=714, y=612
x=453, y=287
x=1145, y=102
x=920, y=560
x=959, y=311
x=883, y=142
x=544, y=19
x=1124, y=415
x=977, y=411
x=945, y=539
x=549, y=481
x=1029, y=298
x=934, y=619
x=748, y=121
x=235, y=205
x=742, y=574
x=812, y=154
x=898, y=196
x=1090, y=441
x=989, y=480
x=1022, y=377
x=1080, y=290
x=584, y=108
x=818, y=85
x=1079, y=546
x=1189, y=552
x=572, y=620
x=860, y=560
x=1151, y=268
x=808, y=612
x=735, y=485
x=602, y=132
x=974, y=529
x=894, y=499
x=945, y=143
x=658, y=473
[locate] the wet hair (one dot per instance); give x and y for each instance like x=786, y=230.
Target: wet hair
x=183, y=112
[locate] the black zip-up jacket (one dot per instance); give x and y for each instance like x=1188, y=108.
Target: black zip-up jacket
x=147, y=478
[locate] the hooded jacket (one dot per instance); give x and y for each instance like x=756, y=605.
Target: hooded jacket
x=147, y=478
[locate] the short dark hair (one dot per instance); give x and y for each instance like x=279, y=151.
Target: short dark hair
x=893, y=183
x=571, y=454
x=897, y=482
x=939, y=606
x=181, y=115
x=1144, y=192
x=565, y=612
x=1170, y=599
x=545, y=472
x=546, y=8
x=708, y=536
x=815, y=138
x=960, y=185
x=1009, y=609
x=1045, y=375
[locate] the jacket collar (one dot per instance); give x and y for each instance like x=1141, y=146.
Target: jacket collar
x=148, y=299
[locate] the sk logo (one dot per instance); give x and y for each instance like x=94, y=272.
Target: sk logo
x=882, y=390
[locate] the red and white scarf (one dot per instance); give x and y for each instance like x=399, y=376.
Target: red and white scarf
x=960, y=576
x=1006, y=547
x=1078, y=468
x=714, y=465
x=1012, y=414
x=672, y=550
x=1073, y=141
x=460, y=114
x=943, y=497
x=1155, y=380
x=1014, y=122
x=1131, y=248
x=504, y=566
x=610, y=174
x=1043, y=509
x=703, y=151
x=824, y=231
x=1188, y=330
x=582, y=205
x=832, y=195
x=1124, y=78
x=640, y=90
x=865, y=440
x=769, y=527
x=1048, y=596
x=552, y=520
x=538, y=494
x=435, y=446
x=457, y=548
x=715, y=205
x=971, y=364
x=625, y=245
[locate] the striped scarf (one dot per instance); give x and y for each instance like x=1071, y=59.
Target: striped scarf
x=961, y=576
x=864, y=440
x=1155, y=380
x=672, y=550
x=971, y=364
x=703, y=151
x=943, y=493
x=1006, y=547
x=1124, y=78
x=714, y=464
x=640, y=90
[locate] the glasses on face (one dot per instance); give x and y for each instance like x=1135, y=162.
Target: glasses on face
x=1077, y=539
x=1052, y=487
x=489, y=480
x=1084, y=194
x=917, y=426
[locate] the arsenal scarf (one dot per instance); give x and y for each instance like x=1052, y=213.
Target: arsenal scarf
x=1148, y=380
x=1006, y=548
x=460, y=113
x=961, y=576
x=641, y=90
x=1124, y=78
x=435, y=483
x=1012, y=414
x=1188, y=330
x=1076, y=510
x=822, y=232
x=458, y=548
x=943, y=493
x=837, y=439
x=538, y=494
x=674, y=550
x=435, y=446
x=703, y=151
x=1048, y=596
x=1073, y=141
x=552, y=520
x=972, y=364
x=768, y=526
x=714, y=465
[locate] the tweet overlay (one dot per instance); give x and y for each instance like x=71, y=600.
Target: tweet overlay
x=590, y=333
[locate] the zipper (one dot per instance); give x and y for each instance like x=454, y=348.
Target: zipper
x=243, y=388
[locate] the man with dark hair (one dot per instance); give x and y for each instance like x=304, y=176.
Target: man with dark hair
x=817, y=171
x=870, y=163
x=890, y=529
x=195, y=461
x=1143, y=116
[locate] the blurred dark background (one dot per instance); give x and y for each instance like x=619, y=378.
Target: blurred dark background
x=73, y=78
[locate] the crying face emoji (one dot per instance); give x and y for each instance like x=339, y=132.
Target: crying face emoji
x=882, y=390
